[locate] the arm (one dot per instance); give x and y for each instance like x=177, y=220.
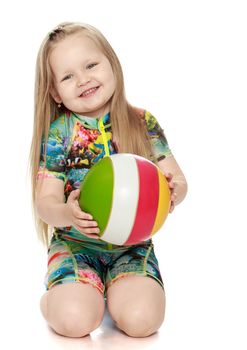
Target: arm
x=176, y=179
x=168, y=165
x=55, y=212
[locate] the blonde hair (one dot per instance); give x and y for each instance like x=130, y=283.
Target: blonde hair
x=128, y=128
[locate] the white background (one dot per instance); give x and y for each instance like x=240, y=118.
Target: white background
x=185, y=61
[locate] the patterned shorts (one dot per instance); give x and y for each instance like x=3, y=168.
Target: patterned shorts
x=71, y=261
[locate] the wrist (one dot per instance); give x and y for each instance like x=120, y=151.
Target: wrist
x=54, y=213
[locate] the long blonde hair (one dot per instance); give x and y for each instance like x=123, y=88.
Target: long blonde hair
x=128, y=128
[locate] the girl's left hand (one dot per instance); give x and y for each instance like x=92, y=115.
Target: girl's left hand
x=171, y=184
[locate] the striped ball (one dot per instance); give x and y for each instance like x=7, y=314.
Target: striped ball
x=128, y=196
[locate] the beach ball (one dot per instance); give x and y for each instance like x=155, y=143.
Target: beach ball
x=128, y=196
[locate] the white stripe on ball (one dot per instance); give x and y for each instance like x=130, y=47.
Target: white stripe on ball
x=125, y=199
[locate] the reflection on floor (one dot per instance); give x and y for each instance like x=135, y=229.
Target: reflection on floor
x=107, y=336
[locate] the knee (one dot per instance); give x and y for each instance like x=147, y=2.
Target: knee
x=137, y=321
x=74, y=322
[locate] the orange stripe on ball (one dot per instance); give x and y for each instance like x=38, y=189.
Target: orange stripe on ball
x=164, y=203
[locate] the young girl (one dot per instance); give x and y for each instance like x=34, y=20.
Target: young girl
x=82, y=115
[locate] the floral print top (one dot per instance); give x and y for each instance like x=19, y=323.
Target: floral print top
x=75, y=143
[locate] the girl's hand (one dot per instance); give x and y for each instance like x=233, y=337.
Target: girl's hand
x=82, y=221
x=171, y=184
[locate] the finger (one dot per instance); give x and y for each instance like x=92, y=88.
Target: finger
x=86, y=229
x=168, y=175
x=79, y=214
x=89, y=235
x=172, y=207
x=74, y=194
x=87, y=232
x=92, y=231
x=171, y=185
x=86, y=223
x=173, y=197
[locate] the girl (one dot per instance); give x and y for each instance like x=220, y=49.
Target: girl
x=81, y=115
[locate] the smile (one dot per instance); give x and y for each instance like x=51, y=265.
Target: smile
x=89, y=92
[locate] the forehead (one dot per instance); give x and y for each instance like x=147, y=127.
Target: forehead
x=74, y=46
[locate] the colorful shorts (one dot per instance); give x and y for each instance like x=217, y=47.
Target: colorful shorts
x=72, y=261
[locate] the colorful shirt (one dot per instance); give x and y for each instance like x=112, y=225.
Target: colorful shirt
x=75, y=143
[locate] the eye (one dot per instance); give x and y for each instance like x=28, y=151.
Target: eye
x=69, y=76
x=91, y=65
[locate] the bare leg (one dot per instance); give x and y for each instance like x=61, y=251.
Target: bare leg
x=73, y=309
x=137, y=305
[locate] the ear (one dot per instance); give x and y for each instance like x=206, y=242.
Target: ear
x=55, y=95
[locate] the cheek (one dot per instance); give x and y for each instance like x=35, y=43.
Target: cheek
x=112, y=81
x=108, y=74
x=64, y=92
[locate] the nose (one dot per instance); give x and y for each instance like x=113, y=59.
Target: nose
x=83, y=79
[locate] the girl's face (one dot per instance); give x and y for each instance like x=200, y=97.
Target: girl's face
x=83, y=77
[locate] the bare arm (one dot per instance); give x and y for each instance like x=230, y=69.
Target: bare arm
x=53, y=210
x=176, y=179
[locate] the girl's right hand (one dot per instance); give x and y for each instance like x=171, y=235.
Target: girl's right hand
x=82, y=221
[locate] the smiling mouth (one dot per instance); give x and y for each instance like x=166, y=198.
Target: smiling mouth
x=89, y=92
